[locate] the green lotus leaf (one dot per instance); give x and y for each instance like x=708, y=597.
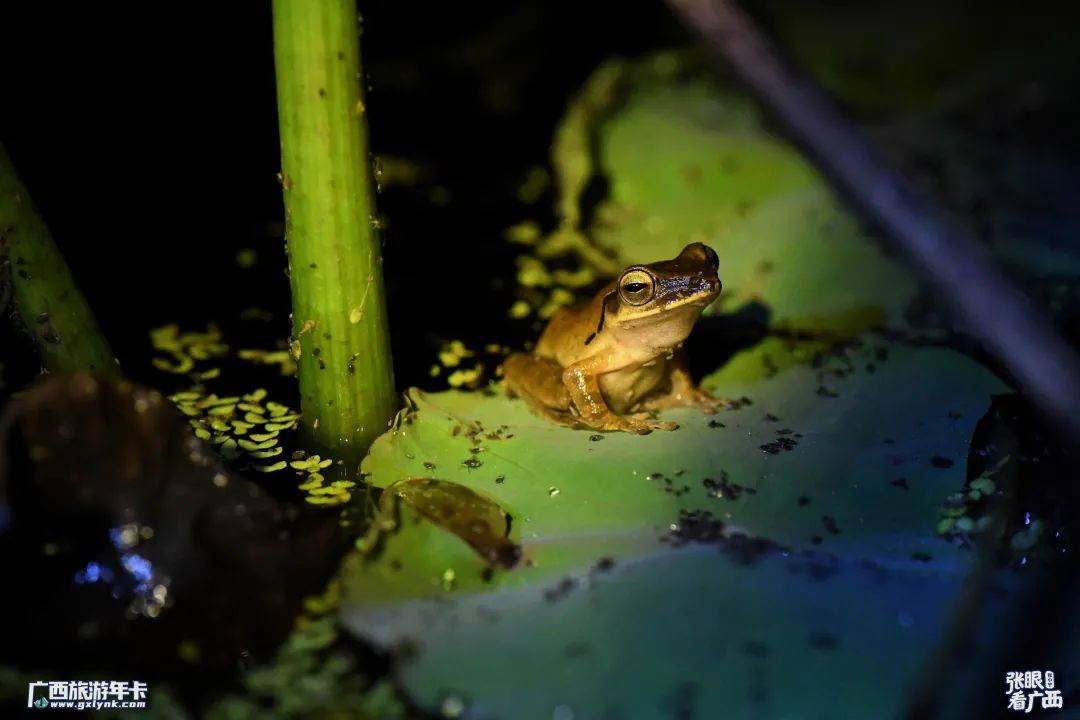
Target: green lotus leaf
x=679, y=564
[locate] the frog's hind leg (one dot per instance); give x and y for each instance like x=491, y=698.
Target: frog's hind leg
x=538, y=381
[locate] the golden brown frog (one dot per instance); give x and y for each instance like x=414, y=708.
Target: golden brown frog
x=607, y=364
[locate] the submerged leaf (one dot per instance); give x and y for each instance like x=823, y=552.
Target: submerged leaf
x=481, y=523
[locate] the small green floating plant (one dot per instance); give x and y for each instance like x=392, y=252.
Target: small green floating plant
x=248, y=429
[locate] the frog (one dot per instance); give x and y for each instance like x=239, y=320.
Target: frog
x=611, y=364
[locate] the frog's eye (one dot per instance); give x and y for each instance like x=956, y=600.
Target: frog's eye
x=636, y=287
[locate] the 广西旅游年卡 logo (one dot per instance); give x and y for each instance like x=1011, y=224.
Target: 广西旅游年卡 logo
x=87, y=695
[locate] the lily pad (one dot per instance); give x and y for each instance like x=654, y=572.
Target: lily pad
x=692, y=162
x=692, y=566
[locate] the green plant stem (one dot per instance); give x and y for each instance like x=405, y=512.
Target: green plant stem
x=339, y=310
x=52, y=310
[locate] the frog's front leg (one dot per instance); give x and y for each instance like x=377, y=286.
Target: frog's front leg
x=582, y=383
x=538, y=381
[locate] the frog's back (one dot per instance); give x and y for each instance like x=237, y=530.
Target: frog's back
x=563, y=340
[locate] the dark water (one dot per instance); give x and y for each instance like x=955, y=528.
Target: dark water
x=154, y=156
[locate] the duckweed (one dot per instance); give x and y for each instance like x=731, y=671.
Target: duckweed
x=246, y=428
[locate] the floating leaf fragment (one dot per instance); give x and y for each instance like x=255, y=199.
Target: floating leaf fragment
x=480, y=522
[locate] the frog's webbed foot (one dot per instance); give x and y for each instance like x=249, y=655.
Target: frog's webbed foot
x=641, y=423
x=650, y=421
x=706, y=402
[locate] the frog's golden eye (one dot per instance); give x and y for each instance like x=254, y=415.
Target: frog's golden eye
x=636, y=287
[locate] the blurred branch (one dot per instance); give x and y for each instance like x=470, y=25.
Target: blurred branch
x=52, y=310
x=985, y=302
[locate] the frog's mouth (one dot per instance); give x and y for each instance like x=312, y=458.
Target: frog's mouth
x=692, y=305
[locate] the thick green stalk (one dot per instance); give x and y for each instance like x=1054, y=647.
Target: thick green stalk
x=46, y=298
x=339, y=309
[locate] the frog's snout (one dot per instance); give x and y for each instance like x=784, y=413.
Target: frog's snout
x=704, y=287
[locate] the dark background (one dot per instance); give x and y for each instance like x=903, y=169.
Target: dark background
x=147, y=136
